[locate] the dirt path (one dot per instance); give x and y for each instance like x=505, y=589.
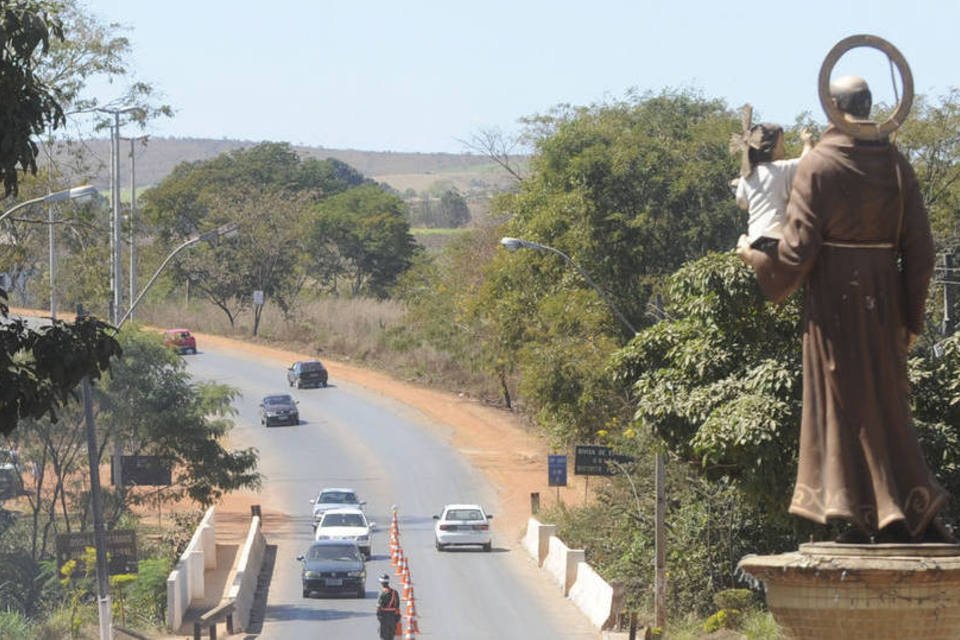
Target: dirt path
x=493, y=440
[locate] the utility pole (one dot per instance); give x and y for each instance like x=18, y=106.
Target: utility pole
x=949, y=275
x=132, y=220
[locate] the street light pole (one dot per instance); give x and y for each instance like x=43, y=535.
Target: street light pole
x=660, y=554
x=116, y=264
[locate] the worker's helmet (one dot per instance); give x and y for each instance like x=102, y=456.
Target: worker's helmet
x=384, y=579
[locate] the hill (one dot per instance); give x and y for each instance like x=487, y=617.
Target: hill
x=422, y=172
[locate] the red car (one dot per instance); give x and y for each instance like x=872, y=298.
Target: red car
x=181, y=340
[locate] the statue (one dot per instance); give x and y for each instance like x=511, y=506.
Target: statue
x=857, y=237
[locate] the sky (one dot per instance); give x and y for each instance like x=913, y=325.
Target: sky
x=426, y=75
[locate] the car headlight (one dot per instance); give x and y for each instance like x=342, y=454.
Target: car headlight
x=311, y=574
x=355, y=574
x=363, y=538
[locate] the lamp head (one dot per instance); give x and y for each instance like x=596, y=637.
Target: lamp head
x=512, y=244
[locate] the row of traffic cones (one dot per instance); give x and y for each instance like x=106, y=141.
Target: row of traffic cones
x=401, y=566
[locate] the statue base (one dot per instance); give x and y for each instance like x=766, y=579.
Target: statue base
x=830, y=591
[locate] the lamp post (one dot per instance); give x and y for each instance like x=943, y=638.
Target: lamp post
x=116, y=265
x=133, y=214
x=659, y=584
x=57, y=196
x=228, y=230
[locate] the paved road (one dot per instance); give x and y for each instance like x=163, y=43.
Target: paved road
x=352, y=437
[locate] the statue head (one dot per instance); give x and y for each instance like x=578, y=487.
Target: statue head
x=765, y=143
x=852, y=95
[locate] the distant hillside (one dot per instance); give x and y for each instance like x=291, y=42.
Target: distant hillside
x=418, y=171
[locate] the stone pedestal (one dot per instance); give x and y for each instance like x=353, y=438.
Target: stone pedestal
x=830, y=591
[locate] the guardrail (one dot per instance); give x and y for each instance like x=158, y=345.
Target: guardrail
x=220, y=613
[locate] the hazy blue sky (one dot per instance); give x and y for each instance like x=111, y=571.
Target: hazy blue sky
x=410, y=75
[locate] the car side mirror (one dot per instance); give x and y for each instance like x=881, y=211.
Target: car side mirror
x=314, y=525
x=300, y=558
x=436, y=517
x=373, y=526
x=313, y=501
x=362, y=502
x=489, y=516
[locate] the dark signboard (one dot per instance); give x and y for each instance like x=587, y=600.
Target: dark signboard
x=145, y=470
x=121, y=549
x=591, y=460
x=557, y=470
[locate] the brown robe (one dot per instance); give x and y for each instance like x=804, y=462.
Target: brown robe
x=860, y=459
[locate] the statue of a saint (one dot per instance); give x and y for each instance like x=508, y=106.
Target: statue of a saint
x=858, y=238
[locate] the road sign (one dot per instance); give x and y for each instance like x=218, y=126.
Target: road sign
x=121, y=549
x=591, y=460
x=146, y=470
x=557, y=470
x=258, y=297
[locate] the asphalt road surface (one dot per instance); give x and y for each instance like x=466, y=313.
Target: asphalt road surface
x=351, y=437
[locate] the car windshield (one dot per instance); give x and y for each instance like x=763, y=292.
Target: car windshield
x=464, y=514
x=337, y=497
x=277, y=400
x=311, y=367
x=333, y=552
x=343, y=520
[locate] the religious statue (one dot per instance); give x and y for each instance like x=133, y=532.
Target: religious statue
x=857, y=238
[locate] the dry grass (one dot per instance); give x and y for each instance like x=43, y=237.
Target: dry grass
x=361, y=331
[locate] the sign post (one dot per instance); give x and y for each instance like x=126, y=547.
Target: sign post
x=557, y=472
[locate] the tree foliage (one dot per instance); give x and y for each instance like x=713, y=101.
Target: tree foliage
x=360, y=237
x=27, y=104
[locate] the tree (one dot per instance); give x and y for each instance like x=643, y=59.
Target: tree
x=629, y=191
x=360, y=236
x=453, y=209
x=27, y=104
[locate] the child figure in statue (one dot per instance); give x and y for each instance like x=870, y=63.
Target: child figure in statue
x=763, y=188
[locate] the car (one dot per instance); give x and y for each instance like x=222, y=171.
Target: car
x=307, y=373
x=333, y=566
x=335, y=498
x=463, y=524
x=346, y=524
x=280, y=408
x=180, y=340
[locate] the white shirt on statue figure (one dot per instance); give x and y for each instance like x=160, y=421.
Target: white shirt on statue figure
x=764, y=194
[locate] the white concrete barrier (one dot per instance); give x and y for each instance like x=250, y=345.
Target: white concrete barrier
x=562, y=563
x=537, y=539
x=244, y=585
x=597, y=599
x=186, y=582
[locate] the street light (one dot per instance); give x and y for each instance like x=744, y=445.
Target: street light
x=228, y=230
x=513, y=244
x=56, y=196
x=660, y=562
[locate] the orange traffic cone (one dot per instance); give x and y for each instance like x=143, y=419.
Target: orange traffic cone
x=404, y=571
x=408, y=588
x=412, y=616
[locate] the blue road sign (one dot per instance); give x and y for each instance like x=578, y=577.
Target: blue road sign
x=557, y=470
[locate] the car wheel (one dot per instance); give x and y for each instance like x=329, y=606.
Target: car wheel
x=487, y=547
x=306, y=593
x=361, y=592
x=324, y=384
x=440, y=547
x=299, y=384
x=193, y=351
x=295, y=419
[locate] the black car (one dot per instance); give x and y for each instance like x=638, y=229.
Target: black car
x=333, y=566
x=308, y=373
x=279, y=409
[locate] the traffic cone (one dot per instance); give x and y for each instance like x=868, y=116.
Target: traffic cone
x=412, y=615
x=404, y=571
x=408, y=588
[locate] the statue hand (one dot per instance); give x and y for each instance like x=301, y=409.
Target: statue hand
x=743, y=248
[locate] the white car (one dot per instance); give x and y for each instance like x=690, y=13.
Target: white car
x=463, y=524
x=346, y=524
x=335, y=498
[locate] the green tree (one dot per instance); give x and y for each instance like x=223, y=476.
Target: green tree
x=28, y=105
x=453, y=210
x=629, y=191
x=362, y=237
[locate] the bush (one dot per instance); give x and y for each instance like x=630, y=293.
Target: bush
x=742, y=599
x=723, y=619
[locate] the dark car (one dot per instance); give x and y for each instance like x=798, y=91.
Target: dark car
x=180, y=340
x=279, y=409
x=333, y=566
x=308, y=373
